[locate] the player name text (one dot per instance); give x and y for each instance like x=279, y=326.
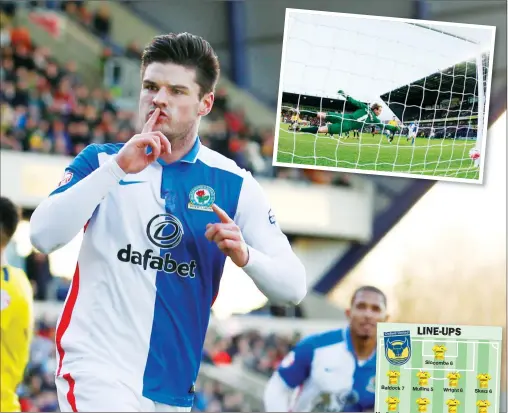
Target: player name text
x=482, y=391
x=438, y=331
x=383, y=387
x=423, y=388
x=437, y=363
x=450, y=390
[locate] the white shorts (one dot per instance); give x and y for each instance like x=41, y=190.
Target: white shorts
x=412, y=135
x=88, y=393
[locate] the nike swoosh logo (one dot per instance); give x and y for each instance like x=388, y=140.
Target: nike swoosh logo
x=130, y=182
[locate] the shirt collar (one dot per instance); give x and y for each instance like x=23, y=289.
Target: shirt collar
x=189, y=157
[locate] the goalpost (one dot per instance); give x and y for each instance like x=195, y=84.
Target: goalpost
x=418, y=73
x=482, y=89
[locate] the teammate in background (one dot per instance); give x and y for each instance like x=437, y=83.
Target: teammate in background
x=341, y=123
x=432, y=134
x=16, y=311
x=334, y=371
x=413, y=130
x=161, y=213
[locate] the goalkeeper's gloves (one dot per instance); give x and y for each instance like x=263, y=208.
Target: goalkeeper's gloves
x=341, y=92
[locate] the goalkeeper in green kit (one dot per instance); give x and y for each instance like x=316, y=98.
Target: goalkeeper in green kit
x=341, y=123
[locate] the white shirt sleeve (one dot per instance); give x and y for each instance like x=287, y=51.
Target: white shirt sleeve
x=60, y=217
x=277, y=395
x=272, y=265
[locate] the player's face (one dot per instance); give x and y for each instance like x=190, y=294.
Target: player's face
x=366, y=311
x=377, y=111
x=174, y=90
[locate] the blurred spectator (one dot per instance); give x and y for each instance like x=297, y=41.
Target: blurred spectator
x=133, y=50
x=36, y=89
x=39, y=274
x=101, y=22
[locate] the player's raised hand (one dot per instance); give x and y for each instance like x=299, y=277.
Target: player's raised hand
x=133, y=157
x=228, y=237
x=321, y=115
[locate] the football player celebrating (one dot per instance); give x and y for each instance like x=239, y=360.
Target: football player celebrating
x=333, y=371
x=161, y=213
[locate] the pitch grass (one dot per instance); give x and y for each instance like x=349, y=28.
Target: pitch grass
x=437, y=157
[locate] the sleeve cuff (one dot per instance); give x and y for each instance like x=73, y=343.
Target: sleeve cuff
x=253, y=258
x=115, y=170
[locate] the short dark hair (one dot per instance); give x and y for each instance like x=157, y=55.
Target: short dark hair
x=376, y=106
x=187, y=50
x=9, y=219
x=371, y=289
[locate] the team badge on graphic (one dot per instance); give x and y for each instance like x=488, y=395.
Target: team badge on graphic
x=66, y=179
x=397, y=347
x=201, y=197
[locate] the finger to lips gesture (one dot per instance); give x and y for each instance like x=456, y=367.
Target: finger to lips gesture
x=228, y=237
x=133, y=157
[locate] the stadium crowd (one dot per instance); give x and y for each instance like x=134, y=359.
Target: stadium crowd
x=46, y=107
x=250, y=350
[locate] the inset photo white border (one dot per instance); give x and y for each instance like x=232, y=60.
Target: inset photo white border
x=384, y=96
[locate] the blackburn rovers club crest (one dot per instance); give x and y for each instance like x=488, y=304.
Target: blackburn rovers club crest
x=397, y=347
x=201, y=197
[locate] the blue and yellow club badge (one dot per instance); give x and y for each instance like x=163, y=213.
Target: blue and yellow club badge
x=397, y=347
x=201, y=197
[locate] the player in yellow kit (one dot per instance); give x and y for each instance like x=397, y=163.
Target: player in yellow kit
x=482, y=406
x=393, y=377
x=484, y=380
x=452, y=405
x=423, y=377
x=393, y=122
x=422, y=403
x=453, y=379
x=439, y=351
x=392, y=403
x=16, y=310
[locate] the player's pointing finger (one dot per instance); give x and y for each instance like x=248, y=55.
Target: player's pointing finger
x=223, y=216
x=150, y=123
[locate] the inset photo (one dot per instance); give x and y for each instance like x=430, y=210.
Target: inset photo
x=384, y=96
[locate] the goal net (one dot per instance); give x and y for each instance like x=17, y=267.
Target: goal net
x=430, y=81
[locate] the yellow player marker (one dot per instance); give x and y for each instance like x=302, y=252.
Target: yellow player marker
x=439, y=351
x=393, y=377
x=423, y=377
